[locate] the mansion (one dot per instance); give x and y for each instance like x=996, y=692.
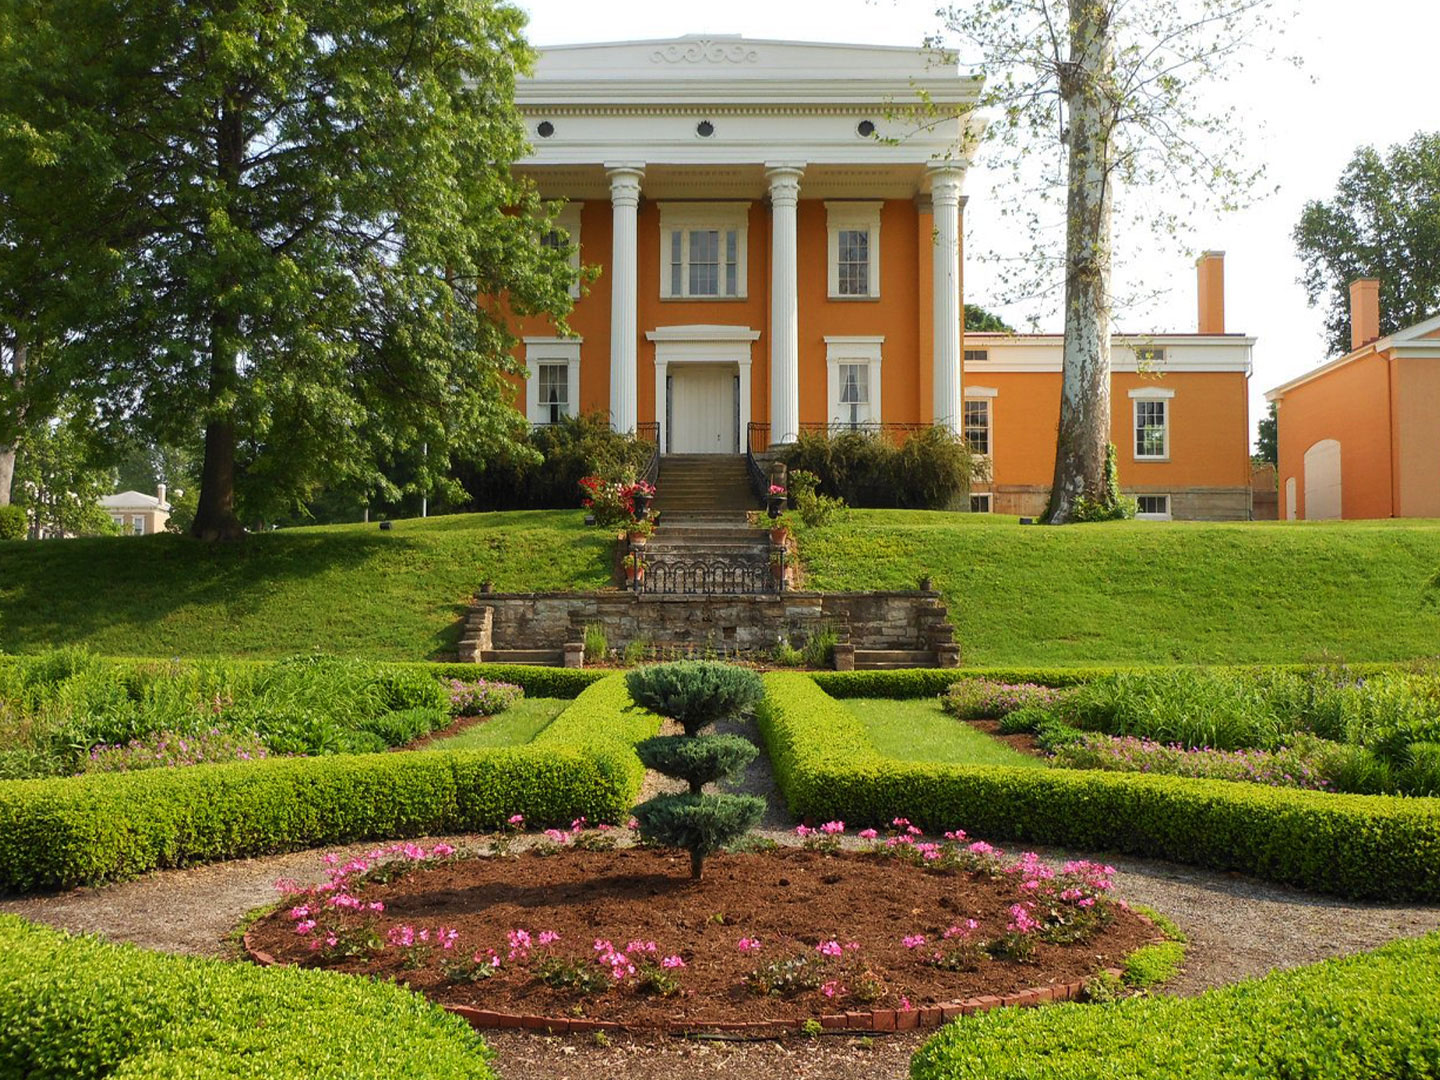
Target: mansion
x=777, y=227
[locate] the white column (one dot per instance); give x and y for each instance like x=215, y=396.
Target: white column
x=946, y=182
x=624, y=331
x=784, y=304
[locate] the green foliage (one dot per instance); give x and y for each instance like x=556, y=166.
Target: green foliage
x=700, y=824
x=1384, y=222
x=57, y=480
x=1166, y=925
x=815, y=510
x=596, y=647
x=14, y=524
x=75, y=1007
x=928, y=471
x=1369, y=1015
x=1267, y=437
x=1109, y=504
x=698, y=760
x=819, y=650
x=695, y=693
x=405, y=725
x=827, y=768
x=543, y=472
x=1152, y=965
x=978, y=320
x=59, y=833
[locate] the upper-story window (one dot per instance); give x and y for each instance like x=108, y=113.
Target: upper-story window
x=567, y=232
x=702, y=250
x=854, y=249
x=1152, y=423
x=977, y=425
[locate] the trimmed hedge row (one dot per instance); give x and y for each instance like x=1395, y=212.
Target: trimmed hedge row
x=1372, y=1015
x=107, y=827
x=77, y=1007
x=1351, y=845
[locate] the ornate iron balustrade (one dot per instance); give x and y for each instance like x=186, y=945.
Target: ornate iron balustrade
x=701, y=577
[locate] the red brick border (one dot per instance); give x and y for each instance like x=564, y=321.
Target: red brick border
x=882, y=1020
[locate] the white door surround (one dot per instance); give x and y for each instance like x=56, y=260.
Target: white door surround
x=711, y=348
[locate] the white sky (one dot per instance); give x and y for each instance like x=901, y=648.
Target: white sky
x=1369, y=76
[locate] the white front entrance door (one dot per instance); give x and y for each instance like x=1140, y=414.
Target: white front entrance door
x=702, y=409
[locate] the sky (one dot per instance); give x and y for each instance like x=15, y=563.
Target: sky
x=1367, y=78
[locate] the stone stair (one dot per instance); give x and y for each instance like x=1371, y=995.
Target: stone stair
x=703, y=485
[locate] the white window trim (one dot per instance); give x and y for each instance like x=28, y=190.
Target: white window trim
x=137, y=524
x=854, y=216
x=1169, y=513
x=989, y=502
x=979, y=393
x=847, y=349
x=551, y=350
x=568, y=222
x=685, y=216
x=1150, y=393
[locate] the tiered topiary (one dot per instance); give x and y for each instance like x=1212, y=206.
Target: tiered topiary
x=696, y=694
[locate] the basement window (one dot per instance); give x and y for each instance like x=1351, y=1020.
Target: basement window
x=1153, y=507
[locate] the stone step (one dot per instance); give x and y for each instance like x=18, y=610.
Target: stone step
x=891, y=659
x=540, y=657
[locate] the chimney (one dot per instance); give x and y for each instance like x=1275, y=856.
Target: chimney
x=160, y=493
x=1364, y=312
x=1210, y=274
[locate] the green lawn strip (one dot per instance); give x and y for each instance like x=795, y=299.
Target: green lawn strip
x=349, y=589
x=1150, y=592
x=1352, y=845
x=1372, y=1015
x=917, y=730
x=516, y=726
x=81, y=1007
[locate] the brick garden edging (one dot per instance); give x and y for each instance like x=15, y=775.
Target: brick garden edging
x=877, y=1020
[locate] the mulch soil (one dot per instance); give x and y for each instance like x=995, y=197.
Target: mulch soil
x=790, y=899
x=1026, y=744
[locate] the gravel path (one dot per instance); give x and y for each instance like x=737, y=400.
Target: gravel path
x=1238, y=927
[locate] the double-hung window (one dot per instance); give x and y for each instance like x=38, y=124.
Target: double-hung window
x=977, y=425
x=702, y=250
x=552, y=384
x=853, y=229
x=1152, y=423
x=566, y=233
x=854, y=394
x=853, y=377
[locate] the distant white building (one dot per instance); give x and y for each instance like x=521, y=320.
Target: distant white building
x=137, y=513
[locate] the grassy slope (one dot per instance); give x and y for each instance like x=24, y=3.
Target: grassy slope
x=918, y=730
x=1152, y=591
x=348, y=589
x=516, y=726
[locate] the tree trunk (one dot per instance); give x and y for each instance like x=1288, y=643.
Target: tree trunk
x=1084, y=432
x=19, y=356
x=697, y=865
x=215, y=517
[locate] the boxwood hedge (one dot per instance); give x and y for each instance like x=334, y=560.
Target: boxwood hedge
x=60, y=833
x=1351, y=845
x=1372, y=1015
x=77, y=1007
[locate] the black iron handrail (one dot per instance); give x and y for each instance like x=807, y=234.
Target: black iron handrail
x=650, y=432
x=759, y=478
x=757, y=435
x=698, y=577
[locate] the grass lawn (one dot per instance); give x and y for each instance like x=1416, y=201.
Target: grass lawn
x=516, y=726
x=917, y=730
x=1152, y=592
x=349, y=589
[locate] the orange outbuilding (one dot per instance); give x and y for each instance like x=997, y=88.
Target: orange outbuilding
x=1359, y=437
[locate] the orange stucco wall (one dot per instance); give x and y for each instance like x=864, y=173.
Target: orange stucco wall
x=1350, y=404
x=1417, y=428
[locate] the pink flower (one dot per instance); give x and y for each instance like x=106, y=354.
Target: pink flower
x=517, y=820
x=447, y=937
x=300, y=912
x=557, y=836
x=981, y=848
x=375, y=905
x=957, y=835
x=905, y=1004
x=868, y=834
x=519, y=941
x=305, y=927
x=828, y=948
x=1021, y=921
x=748, y=945
x=833, y=828
x=633, y=824
x=900, y=822
x=640, y=946
x=577, y=825
x=803, y=831
x=831, y=988
x=441, y=850
x=672, y=962
x=549, y=937
x=401, y=936
x=913, y=941
x=960, y=931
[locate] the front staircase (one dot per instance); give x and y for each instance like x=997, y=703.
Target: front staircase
x=704, y=486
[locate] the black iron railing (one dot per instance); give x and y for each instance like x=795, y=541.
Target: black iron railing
x=757, y=436
x=698, y=577
x=650, y=433
x=759, y=478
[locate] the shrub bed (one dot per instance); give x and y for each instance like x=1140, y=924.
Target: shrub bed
x=79, y=1007
x=1373, y=1015
x=1364, y=846
x=58, y=833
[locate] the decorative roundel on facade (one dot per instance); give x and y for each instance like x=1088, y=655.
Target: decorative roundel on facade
x=865, y=128
x=704, y=129
x=545, y=129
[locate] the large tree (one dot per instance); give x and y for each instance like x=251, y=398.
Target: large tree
x=1108, y=95
x=1384, y=222
x=315, y=193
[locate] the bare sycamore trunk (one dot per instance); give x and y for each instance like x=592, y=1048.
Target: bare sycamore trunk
x=215, y=517
x=1084, y=432
x=19, y=356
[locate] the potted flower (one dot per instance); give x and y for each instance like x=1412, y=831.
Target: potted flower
x=638, y=532
x=634, y=567
x=779, y=532
x=775, y=502
x=640, y=493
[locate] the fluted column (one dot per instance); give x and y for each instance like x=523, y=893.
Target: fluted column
x=784, y=304
x=946, y=183
x=624, y=330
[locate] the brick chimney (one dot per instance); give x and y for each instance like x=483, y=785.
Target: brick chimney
x=1210, y=274
x=1364, y=312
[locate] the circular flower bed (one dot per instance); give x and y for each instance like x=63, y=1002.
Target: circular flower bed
x=583, y=927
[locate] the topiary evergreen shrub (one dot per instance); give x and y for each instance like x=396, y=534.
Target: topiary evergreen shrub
x=696, y=695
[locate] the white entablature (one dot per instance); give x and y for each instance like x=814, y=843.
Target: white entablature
x=706, y=113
